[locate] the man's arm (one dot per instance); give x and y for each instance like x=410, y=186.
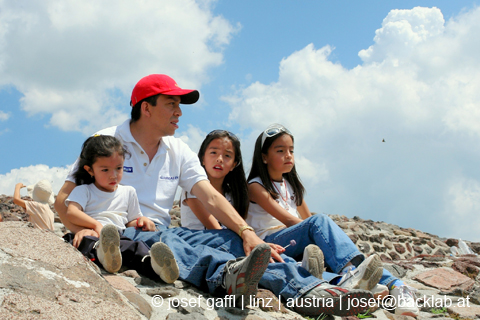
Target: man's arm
x=61, y=208
x=16, y=196
x=215, y=203
x=205, y=217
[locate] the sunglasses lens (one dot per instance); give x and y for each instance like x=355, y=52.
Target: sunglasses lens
x=272, y=131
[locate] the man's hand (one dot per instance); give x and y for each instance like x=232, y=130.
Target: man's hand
x=82, y=233
x=145, y=224
x=251, y=240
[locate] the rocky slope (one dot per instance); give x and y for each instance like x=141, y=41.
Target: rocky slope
x=43, y=278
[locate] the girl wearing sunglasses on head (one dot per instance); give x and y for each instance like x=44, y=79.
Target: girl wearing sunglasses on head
x=278, y=213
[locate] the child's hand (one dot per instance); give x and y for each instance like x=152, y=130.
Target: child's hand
x=145, y=224
x=82, y=233
x=277, y=248
x=20, y=185
x=98, y=228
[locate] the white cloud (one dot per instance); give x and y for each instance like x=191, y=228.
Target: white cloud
x=462, y=206
x=4, y=116
x=417, y=88
x=71, y=58
x=193, y=137
x=402, y=32
x=31, y=175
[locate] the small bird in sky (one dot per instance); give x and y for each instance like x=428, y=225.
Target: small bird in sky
x=383, y=140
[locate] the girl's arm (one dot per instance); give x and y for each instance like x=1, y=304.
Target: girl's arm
x=205, y=217
x=16, y=196
x=61, y=208
x=76, y=215
x=260, y=195
x=304, y=211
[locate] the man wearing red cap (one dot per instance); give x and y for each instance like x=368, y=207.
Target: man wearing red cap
x=159, y=163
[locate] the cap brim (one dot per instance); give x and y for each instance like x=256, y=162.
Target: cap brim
x=186, y=96
x=190, y=98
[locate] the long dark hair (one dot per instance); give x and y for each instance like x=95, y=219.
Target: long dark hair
x=234, y=182
x=93, y=148
x=259, y=169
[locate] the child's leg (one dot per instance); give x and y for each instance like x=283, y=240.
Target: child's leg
x=135, y=256
x=108, y=249
x=151, y=262
x=319, y=229
x=85, y=247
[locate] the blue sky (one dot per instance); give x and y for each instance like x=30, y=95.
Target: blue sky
x=342, y=76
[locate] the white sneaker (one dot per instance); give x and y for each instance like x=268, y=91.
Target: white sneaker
x=108, y=249
x=365, y=276
x=163, y=262
x=405, y=301
x=313, y=260
x=380, y=291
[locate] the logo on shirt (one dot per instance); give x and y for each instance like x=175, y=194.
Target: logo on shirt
x=127, y=169
x=168, y=178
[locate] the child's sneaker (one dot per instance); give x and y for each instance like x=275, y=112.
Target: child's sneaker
x=313, y=260
x=328, y=299
x=163, y=262
x=379, y=292
x=365, y=276
x=405, y=301
x=108, y=249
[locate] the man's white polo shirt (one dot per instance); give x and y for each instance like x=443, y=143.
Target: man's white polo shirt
x=156, y=182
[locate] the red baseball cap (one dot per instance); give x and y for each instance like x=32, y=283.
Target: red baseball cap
x=160, y=83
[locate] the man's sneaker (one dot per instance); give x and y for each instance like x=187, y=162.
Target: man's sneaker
x=313, y=260
x=405, y=301
x=365, y=276
x=163, y=262
x=329, y=299
x=108, y=249
x=242, y=275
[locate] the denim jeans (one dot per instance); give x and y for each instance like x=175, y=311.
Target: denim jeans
x=322, y=231
x=201, y=256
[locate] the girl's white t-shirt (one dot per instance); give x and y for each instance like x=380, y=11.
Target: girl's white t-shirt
x=188, y=217
x=118, y=207
x=263, y=222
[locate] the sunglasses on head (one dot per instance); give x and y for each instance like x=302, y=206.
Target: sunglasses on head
x=273, y=130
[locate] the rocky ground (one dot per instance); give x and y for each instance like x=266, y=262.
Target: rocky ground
x=42, y=277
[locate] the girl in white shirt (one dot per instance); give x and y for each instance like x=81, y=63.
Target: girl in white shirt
x=100, y=203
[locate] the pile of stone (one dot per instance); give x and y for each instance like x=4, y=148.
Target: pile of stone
x=41, y=277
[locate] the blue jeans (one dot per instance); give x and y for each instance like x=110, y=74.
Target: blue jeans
x=201, y=256
x=322, y=231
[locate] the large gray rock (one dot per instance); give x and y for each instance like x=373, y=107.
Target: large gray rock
x=42, y=277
